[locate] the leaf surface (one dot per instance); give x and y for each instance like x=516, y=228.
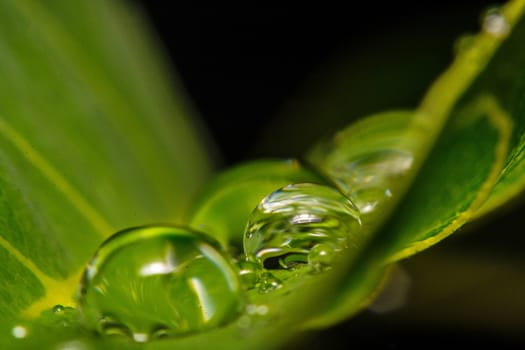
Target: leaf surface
x=470, y=162
x=110, y=159
x=93, y=139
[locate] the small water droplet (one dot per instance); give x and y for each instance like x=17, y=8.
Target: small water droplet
x=288, y=223
x=495, y=23
x=267, y=282
x=158, y=275
x=58, y=309
x=320, y=257
x=140, y=337
x=60, y=316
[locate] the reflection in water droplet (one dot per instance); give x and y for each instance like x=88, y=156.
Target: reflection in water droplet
x=160, y=332
x=58, y=309
x=321, y=256
x=495, y=23
x=248, y=272
x=288, y=223
x=140, y=337
x=158, y=275
x=110, y=327
x=60, y=316
x=19, y=332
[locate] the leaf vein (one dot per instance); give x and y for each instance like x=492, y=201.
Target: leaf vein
x=102, y=227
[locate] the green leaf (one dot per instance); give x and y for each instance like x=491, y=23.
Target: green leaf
x=478, y=101
x=93, y=139
x=108, y=160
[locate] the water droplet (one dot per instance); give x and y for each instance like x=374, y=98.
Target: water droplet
x=60, y=316
x=495, y=23
x=320, y=256
x=158, y=275
x=267, y=282
x=290, y=222
x=140, y=337
x=58, y=309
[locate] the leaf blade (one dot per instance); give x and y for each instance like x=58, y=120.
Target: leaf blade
x=84, y=152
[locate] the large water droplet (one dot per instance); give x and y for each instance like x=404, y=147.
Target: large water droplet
x=287, y=227
x=152, y=282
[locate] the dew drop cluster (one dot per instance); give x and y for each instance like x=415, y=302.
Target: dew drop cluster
x=154, y=282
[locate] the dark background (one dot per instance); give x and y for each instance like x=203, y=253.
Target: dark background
x=242, y=66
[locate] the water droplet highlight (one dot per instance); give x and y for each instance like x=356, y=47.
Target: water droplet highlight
x=60, y=316
x=495, y=23
x=57, y=309
x=161, y=332
x=19, y=332
x=249, y=273
x=152, y=282
x=289, y=223
x=320, y=256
